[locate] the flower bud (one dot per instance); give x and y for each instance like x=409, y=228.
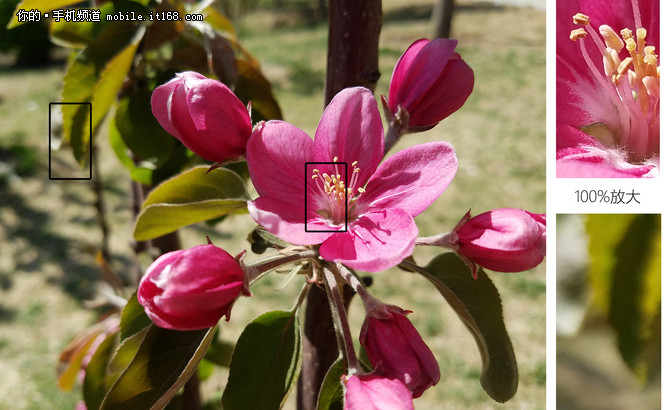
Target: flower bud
x=373, y=392
x=204, y=114
x=503, y=240
x=430, y=81
x=396, y=349
x=191, y=289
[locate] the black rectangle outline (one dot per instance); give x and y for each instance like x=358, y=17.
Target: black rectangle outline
x=90, y=141
x=346, y=195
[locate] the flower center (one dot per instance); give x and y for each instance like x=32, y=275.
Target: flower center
x=631, y=82
x=337, y=199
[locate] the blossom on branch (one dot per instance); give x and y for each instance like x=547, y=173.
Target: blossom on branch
x=503, y=240
x=334, y=192
x=191, y=289
x=396, y=350
x=204, y=114
x=607, y=88
x=429, y=82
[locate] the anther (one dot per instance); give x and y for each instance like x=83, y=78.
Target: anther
x=581, y=19
x=641, y=33
x=612, y=40
x=577, y=34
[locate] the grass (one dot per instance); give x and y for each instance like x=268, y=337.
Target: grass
x=48, y=233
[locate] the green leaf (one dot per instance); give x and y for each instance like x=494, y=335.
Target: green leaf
x=126, y=352
x=478, y=305
x=191, y=197
x=111, y=78
x=625, y=275
x=164, y=362
x=265, y=364
x=72, y=34
x=139, y=174
x=140, y=130
x=96, y=76
x=98, y=380
x=331, y=394
x=133, y=318
x=42, y=5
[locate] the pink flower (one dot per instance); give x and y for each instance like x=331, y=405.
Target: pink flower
x=503, y=240
x=430, y=81
x=373, y=392
x=362, y=216
x=204, y=115
x=608, y=88
x=191, y=289
x=396, y=349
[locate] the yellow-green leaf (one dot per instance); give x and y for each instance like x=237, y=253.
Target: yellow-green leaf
x=193, y=196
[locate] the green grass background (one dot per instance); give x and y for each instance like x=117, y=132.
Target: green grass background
x=48, y=231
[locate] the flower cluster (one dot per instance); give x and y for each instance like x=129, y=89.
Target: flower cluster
x=341, y=207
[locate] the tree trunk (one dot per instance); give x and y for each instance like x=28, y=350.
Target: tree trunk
x=353, y=52
x=443, y=11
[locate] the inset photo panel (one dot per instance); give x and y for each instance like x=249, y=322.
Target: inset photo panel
x=607, y=89
x=608, y=313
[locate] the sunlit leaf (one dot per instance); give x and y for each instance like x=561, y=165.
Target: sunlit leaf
x=72, y=356
x=191, y=197
x=164, y=362
x=95, y=76
x=133, y=318
x=72, y=34
x=265, y=364
x=111, y=78
x=331, y=394
x=626, y=278
x=42, y=5
x=478, y=305
x=219, y=21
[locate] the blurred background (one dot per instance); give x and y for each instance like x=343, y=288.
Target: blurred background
x=608, y=311
x=50, y=231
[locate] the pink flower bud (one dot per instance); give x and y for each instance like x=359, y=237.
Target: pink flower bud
x=192, y=288
x=430, y=81
x=503, y=240
x=204, y=115
x=373, y=392
x=396, y=349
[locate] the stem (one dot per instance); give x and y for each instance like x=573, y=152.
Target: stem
x=393, y=134
x=257, y=270
x=339, y=313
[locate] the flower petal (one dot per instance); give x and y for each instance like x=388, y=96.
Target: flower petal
x=412, y=179
x=285, y=220
x=351, y=130
x=276, y=154
x=374, y=242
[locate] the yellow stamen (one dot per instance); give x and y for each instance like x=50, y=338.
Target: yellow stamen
x=581, y=19
x=576, y=34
